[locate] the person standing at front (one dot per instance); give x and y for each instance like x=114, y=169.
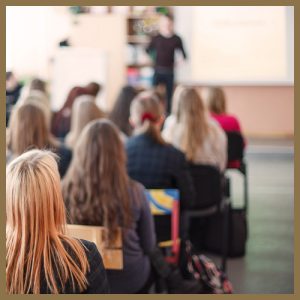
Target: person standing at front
x=162, y=48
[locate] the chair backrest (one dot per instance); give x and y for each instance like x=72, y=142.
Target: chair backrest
x=207, y=181
x=113, y=255
x=165, y=202
x=235, y=146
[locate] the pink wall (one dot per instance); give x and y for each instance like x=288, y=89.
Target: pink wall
x=264, y=111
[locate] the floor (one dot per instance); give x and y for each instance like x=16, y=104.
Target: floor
x=268, y=266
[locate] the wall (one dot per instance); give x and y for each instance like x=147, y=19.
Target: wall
x=264, y=111
x=106, y=33
x=32, y=36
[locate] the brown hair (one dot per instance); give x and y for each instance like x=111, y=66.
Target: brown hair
x=38, y=84
x=28, y=129
x=147, y=103
x=35, y=229
x=216, y=100
x=96, y=187
x=84, y=110
x=120, y=112
x=191, y=114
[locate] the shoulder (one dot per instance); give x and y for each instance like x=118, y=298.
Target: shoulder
x=90, y=249
x=215, y=126
x=156, y=37
x=177, y=37
x=217, y=131
x=132, y=141
x=93, y=255
x=63, y=150
x=174, y=153
x=136, y=191
x=234, y=119
x=136, y=186
x=170, y=121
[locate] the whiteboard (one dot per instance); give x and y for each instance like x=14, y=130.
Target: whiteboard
x=237, y=44
x=74, y=66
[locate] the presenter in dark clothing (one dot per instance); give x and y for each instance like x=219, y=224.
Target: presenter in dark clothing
x=162, y=48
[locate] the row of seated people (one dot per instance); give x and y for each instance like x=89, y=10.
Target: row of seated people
x=97, y=190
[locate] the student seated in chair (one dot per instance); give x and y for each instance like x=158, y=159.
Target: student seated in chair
x=217, y=106
x=151, y=160
x=99, y=192
x=194, y=132
x=28, y=129
x=40, y=257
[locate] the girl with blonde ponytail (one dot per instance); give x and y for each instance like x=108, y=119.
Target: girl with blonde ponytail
x=40, y=258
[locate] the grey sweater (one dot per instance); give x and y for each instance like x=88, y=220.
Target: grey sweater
x=138, y=241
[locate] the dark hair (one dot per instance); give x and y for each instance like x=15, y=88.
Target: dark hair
x=9, y=74
x=121, y=110
x=93, y=88
x=38, y=84
x=169, y=16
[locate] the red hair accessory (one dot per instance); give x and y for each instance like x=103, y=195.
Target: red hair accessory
x=148, y=116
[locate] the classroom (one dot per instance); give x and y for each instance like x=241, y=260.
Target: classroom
x=150, y=149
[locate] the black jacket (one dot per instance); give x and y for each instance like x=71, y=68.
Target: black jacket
x=96, y=276
x=159, y=166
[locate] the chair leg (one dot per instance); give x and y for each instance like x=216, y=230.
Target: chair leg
x=246, y=194
x=225, y=237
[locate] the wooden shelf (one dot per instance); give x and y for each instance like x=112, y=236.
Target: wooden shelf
x=140, y=65
x=138, y=39
x=143, y=16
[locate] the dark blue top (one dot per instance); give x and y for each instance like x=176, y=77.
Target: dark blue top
x=159, y=166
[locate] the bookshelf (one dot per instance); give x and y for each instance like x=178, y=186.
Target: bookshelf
x=142, y=24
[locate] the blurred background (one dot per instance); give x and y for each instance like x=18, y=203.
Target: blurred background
x=248, y=50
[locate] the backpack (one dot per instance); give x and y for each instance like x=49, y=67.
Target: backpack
x=200, y=267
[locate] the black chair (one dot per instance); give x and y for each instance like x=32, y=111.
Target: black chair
x=210, y=200
x=236, y=161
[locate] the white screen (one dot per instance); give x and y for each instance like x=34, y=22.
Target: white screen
x=237, y=44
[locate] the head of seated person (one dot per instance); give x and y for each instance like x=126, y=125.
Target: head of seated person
x=93, y=88
x=120, y=112
x=191, y=129
x=216, y=101
x=96, y=184
x=38, y=84
x=147, y=116
x=84, y=111
x=40, y=258
x=39, y=99
x=28, y=129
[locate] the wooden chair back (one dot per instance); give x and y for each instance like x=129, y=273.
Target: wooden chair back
x=112, y=256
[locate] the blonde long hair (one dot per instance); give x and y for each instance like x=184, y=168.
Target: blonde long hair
x=28, y=129
x=84, y=111
x=36, y=244
x=146, y=109
x=96, y=186
x=192, y=117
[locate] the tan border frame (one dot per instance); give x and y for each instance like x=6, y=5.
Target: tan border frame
x=146, y=2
